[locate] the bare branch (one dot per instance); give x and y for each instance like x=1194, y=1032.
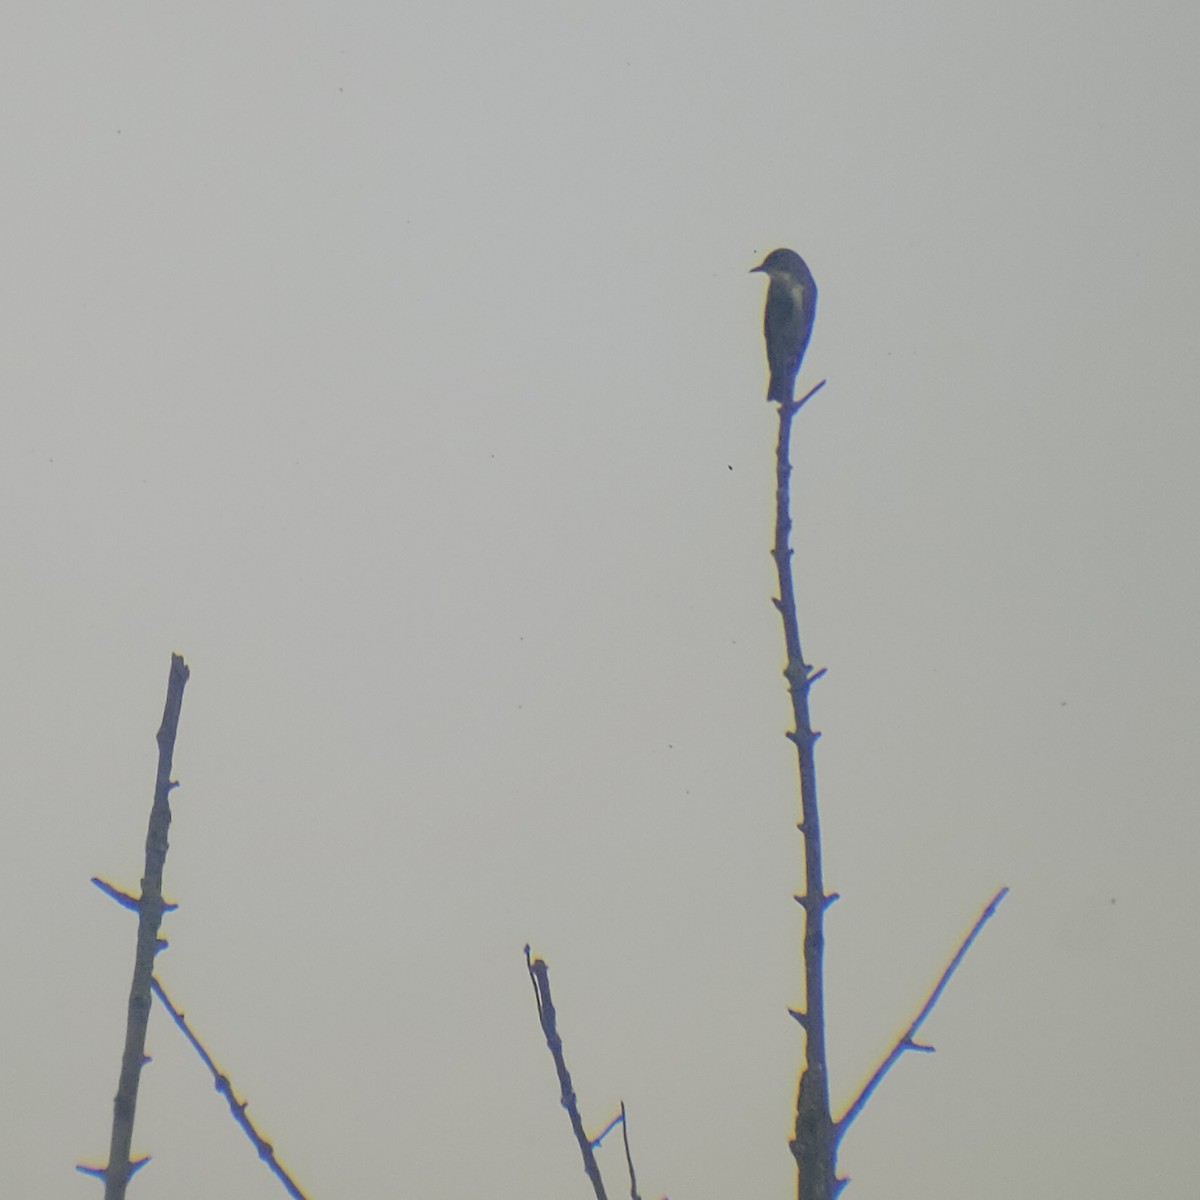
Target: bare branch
x=150, y=910
x=905, y=1040
x=812, y=1144
x=539, y=973
x=237, y=1107
x=633, y=1192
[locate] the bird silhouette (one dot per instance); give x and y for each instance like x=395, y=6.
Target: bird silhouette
x=788, y=319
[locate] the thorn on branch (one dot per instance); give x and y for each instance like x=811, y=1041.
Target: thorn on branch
x=800, y=1018
x=795, y=738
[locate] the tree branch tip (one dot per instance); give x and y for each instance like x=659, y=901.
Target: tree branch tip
x=832, y=898
x=922, y=1047
x=817, y=675
x=800, y=1018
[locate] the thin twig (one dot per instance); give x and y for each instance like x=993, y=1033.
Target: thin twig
x=237, y=1107
x=633, y=1192
x=539, y=973
x=905, y=1040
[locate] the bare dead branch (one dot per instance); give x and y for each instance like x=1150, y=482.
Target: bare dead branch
x=237, y=1107
x=813, y=1144
x=905, y=1040
x=539, y=973
x=633, y=1192
x=150, y=910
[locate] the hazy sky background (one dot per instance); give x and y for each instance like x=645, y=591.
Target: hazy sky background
x=398, y=365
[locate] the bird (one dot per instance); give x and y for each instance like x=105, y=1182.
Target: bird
x=788, y=320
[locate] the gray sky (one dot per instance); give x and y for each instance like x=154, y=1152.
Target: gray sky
x=399, y=366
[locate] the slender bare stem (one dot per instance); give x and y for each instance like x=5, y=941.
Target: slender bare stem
x=539, y=973
x=150, y=910
x=812, y=1145
x=633, y=1192
x=905, y=1040
x=237, y=1107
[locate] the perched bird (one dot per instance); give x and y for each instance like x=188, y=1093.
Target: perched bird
x=788, y=321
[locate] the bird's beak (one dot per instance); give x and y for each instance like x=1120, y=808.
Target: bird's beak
x=758, y=268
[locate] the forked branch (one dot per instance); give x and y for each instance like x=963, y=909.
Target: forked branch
x=817, y=1136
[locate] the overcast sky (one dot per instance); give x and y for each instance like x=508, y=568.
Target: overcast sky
x=399, y=366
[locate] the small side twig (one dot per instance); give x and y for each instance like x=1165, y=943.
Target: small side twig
x=633, y=1192
x=539, y=973
x=237, y=1107
x=905, y=1040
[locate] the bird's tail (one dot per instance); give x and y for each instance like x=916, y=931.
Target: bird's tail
x=782, y=388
